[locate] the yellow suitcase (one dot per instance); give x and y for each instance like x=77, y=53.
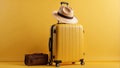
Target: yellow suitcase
x=66, y=44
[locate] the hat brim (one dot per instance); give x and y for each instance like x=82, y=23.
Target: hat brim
x=65, y=20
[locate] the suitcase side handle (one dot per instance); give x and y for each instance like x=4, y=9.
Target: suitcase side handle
x=50, y=41
x=64, y=3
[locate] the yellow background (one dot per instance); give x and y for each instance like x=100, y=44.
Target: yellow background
x=25, y=27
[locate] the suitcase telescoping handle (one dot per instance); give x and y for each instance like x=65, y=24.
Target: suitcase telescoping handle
x=64, y=3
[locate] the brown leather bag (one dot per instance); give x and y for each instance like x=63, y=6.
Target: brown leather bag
x=36, y=59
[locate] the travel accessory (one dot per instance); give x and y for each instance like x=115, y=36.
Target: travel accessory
x=66, y=44
x=65, y=14
x=36, y=59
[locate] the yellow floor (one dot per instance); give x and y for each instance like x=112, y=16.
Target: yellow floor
x=87, y=65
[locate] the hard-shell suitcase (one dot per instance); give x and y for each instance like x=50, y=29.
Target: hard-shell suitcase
x=66, y=44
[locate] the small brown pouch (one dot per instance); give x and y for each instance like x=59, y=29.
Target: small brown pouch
x=36, y=59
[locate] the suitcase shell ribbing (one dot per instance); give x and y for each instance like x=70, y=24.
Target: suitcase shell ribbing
x=68, y=42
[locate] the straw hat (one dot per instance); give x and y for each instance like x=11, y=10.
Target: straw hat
x=65, y=14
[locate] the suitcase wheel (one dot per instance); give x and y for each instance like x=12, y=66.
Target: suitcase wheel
x=57, y=62
x=82, y=61
x=50, y=63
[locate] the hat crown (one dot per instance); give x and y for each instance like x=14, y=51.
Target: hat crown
x=65, y=14
x=66, y=11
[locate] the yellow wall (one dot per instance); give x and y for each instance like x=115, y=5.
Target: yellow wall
x=25, y=26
